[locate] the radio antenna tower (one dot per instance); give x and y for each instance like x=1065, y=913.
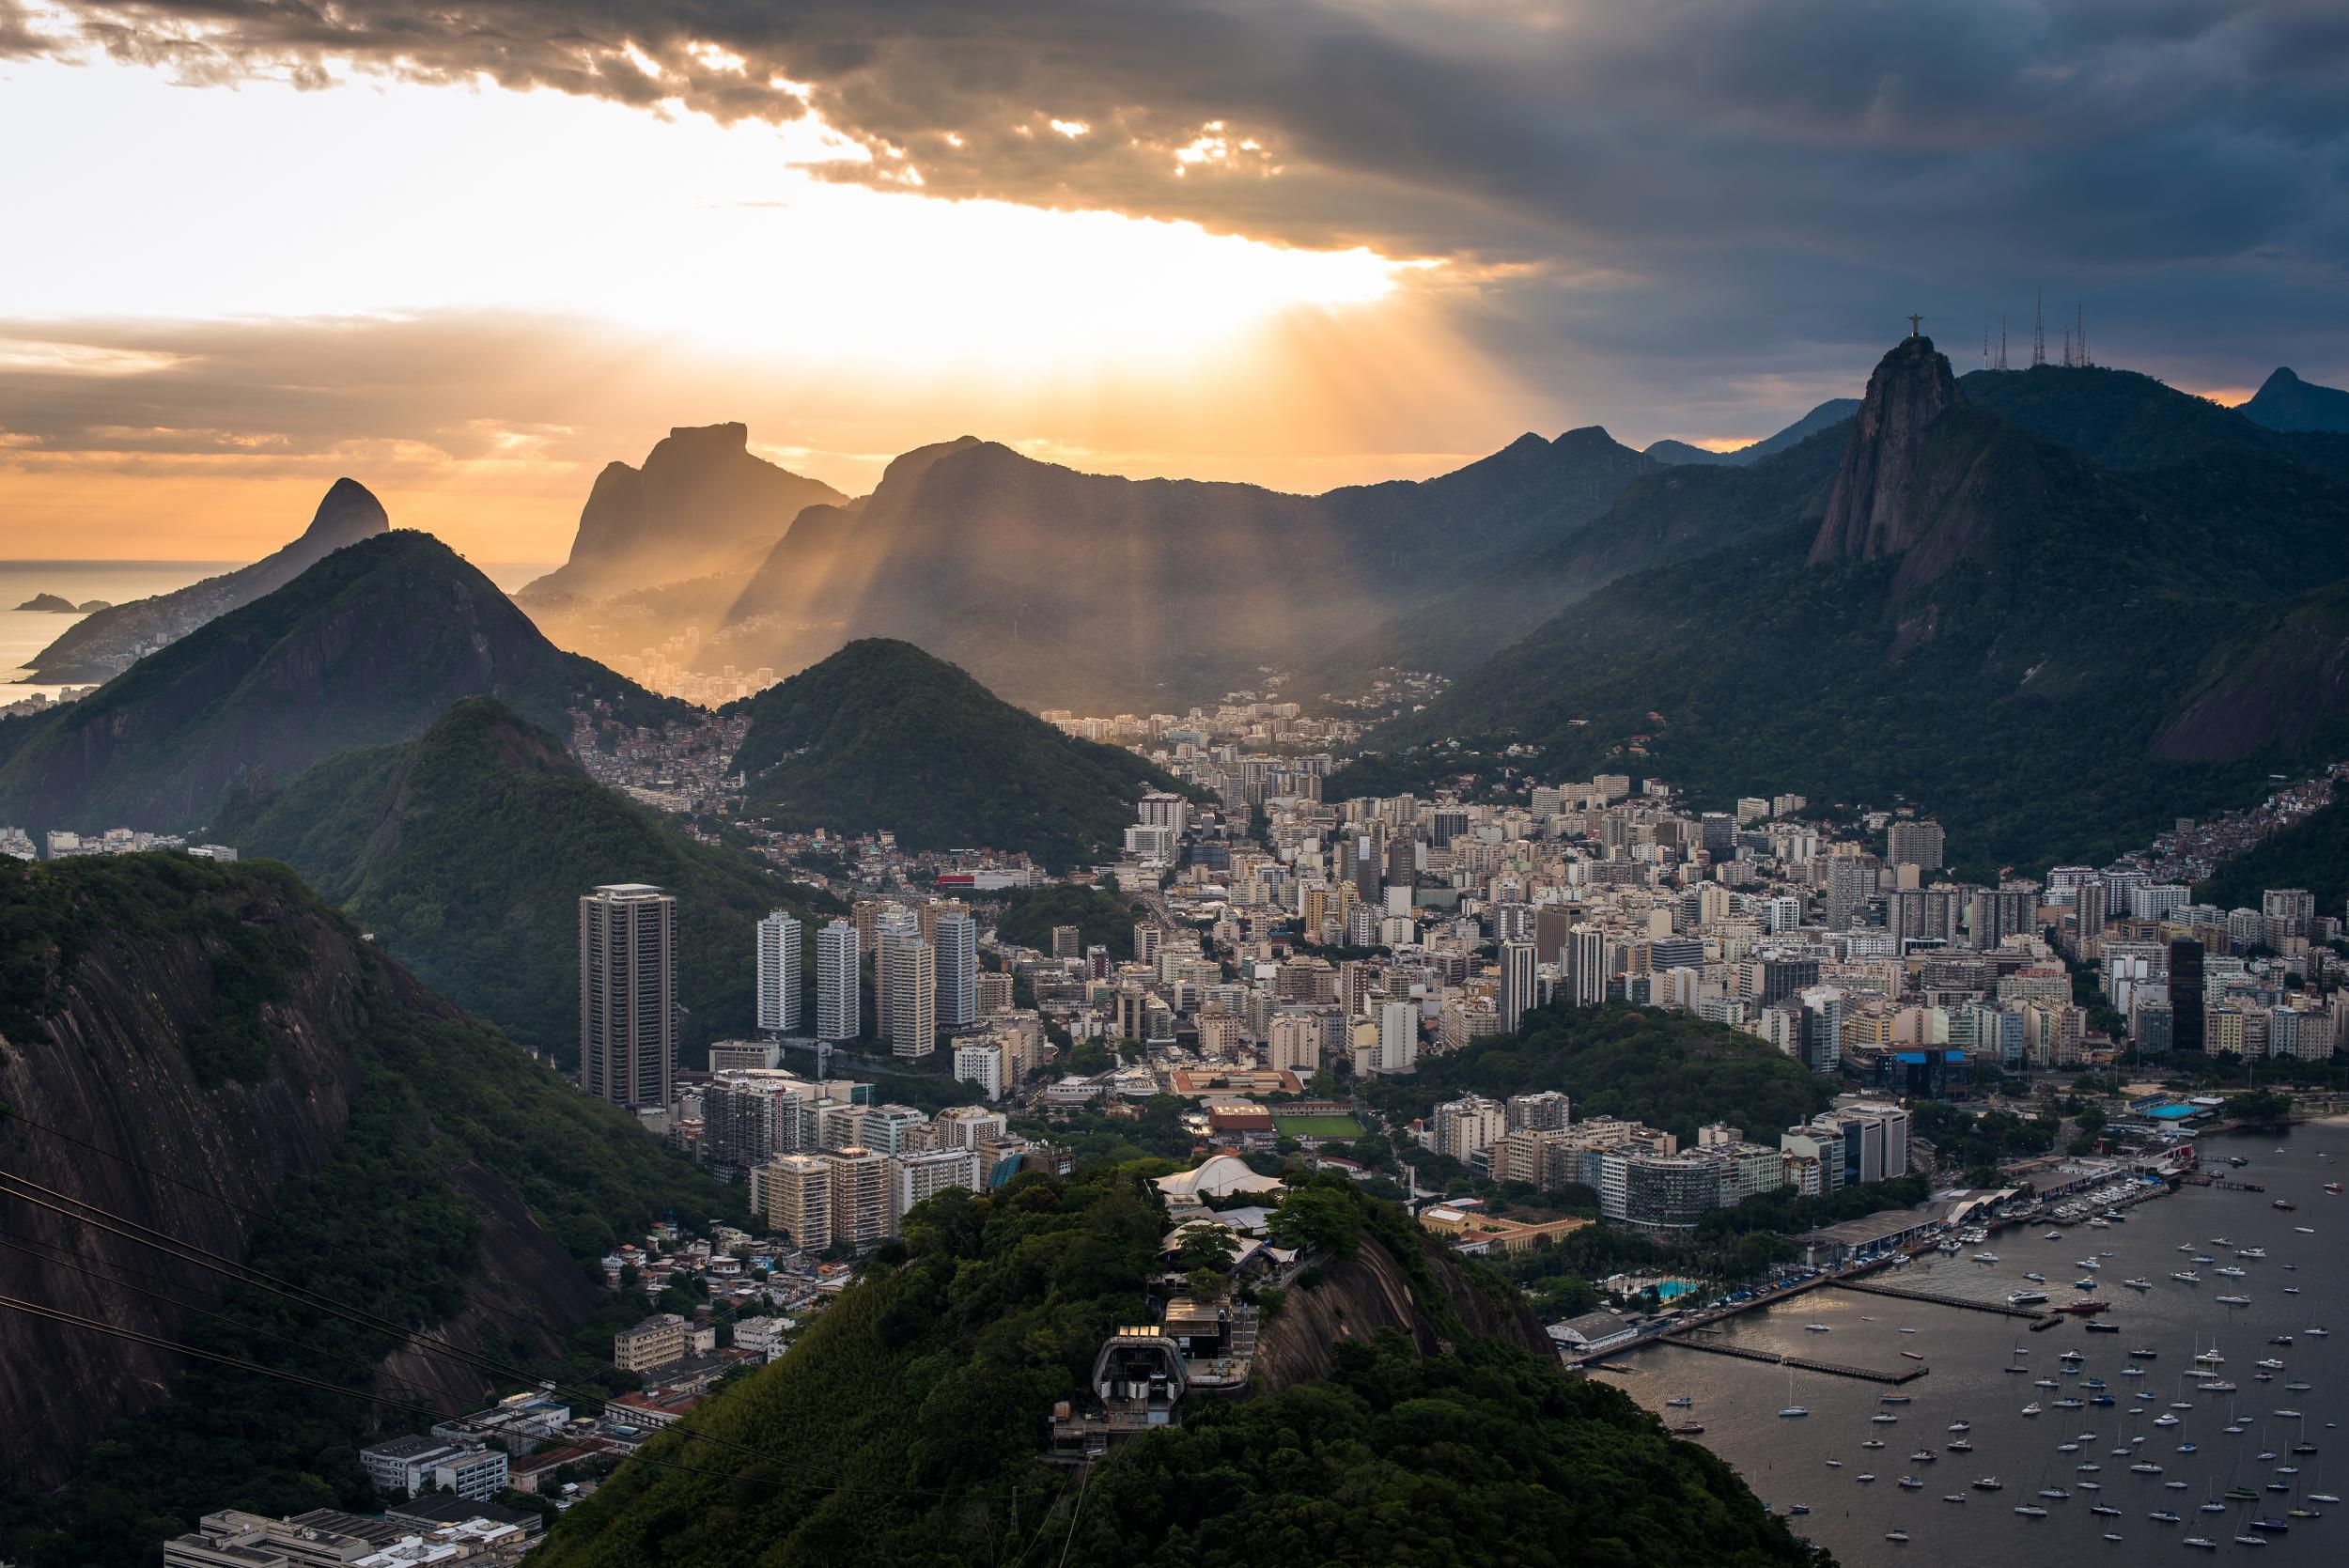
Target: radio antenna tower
x=1985, y=348
x=2002, y=343
x=2038, y=332
x=2080, y=332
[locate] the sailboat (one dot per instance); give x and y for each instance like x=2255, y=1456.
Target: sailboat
x=1792, y=1410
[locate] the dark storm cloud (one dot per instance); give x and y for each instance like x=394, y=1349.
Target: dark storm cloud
x=1953, y=154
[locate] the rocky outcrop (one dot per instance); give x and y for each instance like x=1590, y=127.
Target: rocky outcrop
x=1875, y=509
x=1358, y=1296
x=112, y=639
x=2285, y=402
x=698, y=502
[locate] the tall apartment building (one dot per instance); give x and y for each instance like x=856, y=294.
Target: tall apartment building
x=654, y=1342
x=1398, y=1037
x=2187, y=1028
x=1548, y=1110
x=993, y=992
x=778, y=973
x=627, y=994
x=1466, y=1125
x=1585, y=976
x=914, y=1178
x=1919, y=844
x=839, y=1008
x=954, y=939
x=1294, y=1043
x=909, y=995
x=861, y=1210
x=799, y=1199
x=1518, y=974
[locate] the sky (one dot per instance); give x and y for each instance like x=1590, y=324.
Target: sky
x=470, y=252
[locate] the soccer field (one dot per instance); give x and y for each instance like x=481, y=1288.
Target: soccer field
x=1318, y=1126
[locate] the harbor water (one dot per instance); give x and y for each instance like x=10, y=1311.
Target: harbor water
x=2158, y=1415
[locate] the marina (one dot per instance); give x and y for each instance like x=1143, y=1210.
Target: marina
x=2159, y=1408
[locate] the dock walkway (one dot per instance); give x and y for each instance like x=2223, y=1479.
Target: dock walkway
x=1801, y=1363
x=1937, y=1299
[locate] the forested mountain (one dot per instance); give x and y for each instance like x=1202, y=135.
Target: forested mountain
x=881, y=734
x=103, y=645
x=1428, y=1421
x=214, y=1052
x=2046, y=651
x=1665, y=516
x=369, y=645
x=465, y=851
x=698, y=503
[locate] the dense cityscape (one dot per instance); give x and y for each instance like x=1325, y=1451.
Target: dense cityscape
x=1191, y=786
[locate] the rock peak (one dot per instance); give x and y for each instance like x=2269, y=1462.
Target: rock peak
x=348, y=513
x=1871, y=512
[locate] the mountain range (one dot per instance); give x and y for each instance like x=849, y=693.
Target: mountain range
x=106, y=642
x=370, y=644
x=1057, y=588
x=2050, y=606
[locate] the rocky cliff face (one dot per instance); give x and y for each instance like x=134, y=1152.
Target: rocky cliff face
x=106, y=642
x=1874, y=510
x=698, y=502
x=111, y=1071
x=113, y=1102
x=1368, y=1292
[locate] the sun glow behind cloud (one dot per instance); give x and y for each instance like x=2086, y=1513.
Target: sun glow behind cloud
x=379, y=197
x=371, y=240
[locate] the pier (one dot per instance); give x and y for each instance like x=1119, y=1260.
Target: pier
x=2224, y=1182
x=1801, y=1363
x=1937, y=1299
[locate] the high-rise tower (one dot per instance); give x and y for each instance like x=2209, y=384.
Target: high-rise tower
x=627, y=994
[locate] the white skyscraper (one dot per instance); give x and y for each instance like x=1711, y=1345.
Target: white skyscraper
x=957, y=938
x=778, y=973
x=1398, y=1037
x=838, y=1007
x=910, y=1020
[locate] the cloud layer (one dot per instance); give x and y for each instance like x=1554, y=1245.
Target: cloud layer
x=1692, y=216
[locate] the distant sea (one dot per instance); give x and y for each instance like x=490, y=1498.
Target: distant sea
x=24, y=633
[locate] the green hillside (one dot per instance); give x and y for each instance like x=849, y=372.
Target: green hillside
x=465, y=852
x=367, y=646
x=2313, y=854
x=883, y=735
x=904, y=1427
x=1670, y=1070
x=465, y=1169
